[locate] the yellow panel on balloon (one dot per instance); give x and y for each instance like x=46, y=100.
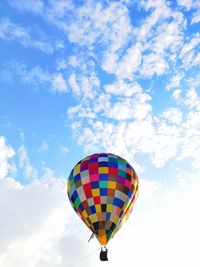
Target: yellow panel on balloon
x=76, y=169
x=96, y=192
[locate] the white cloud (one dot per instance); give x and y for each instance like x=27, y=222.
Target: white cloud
x=24, y=163
x=83, y=112
x=120, y=116
x=121, y=111
x=189, y=53
x=187, y=95
x=57, y=10
x=163, y=44
x=92, y=22
x=12, y=31
x=130, y=62
x=123, y=89
x=189, y=4
x=73, y=84
x=38, y=77
x=6, y=152
x=44, y=147
x=88, y=84
x=127, y=125
x=61, y=64
x=59, y=84
x=172, y=222
x=21, y=135
x=35, y=6
x=156, y=42
x=125, y=66
x=192, y=99
x=159, y=9
x=39, y=228
x=153, y=65
x=185, y=3
x=136, y=108
x=175, y=81
x=64, y=149
x=73, y=61
x=85, y=86
x=35, y=219
x=173, y=115
x=196, y=17
x=176, y=94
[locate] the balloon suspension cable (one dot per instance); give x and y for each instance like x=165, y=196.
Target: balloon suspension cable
x=83, y=258
x=91, y=237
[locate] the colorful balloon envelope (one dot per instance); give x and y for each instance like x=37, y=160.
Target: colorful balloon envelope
x=102, y=189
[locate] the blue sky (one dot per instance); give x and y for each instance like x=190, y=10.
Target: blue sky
x=79, y=77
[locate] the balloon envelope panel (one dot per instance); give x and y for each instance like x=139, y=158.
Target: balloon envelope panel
x=102, y=189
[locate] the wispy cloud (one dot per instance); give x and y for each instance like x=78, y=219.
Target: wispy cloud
x=58, y=83
x=44, y=147
x=92, y=22
x=64, y=149
x=29, y=171
x=6, y=152
x=37, y=77
x=137, y=58
x=122, y=117
x=128, y=125
x=26, y=37
x=196, y=17
x=35, y=6
x=189, y=4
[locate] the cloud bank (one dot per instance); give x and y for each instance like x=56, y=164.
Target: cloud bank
x=39, y=227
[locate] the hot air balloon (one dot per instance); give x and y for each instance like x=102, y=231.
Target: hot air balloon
x=102, y=189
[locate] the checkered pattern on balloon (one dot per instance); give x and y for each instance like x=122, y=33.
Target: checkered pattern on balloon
x=102, y=189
